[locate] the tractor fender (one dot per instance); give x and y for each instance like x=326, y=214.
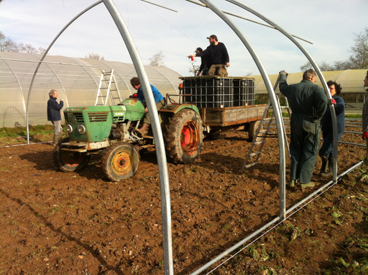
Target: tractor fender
x=174, y=108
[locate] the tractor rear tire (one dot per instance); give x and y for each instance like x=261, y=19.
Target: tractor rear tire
x=68, y=161
x=184, y=137
x=120, y=161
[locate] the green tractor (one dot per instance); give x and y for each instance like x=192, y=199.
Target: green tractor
x=110, y=131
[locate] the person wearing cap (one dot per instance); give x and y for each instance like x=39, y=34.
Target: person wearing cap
x=204, y=63
x=218, y=57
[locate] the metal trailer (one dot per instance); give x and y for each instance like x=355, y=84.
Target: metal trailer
x=224, y=103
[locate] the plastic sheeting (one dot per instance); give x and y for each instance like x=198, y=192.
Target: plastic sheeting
x=351, y=81
x=75, y=79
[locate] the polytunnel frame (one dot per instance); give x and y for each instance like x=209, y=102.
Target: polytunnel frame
x=278, y=120
x=160, y=152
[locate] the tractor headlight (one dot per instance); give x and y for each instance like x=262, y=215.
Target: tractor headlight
x=81, y=129
x=69, y=128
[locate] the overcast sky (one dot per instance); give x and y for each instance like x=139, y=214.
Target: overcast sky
x=330, y=24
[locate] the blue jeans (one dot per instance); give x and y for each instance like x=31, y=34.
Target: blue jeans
x=327, y=146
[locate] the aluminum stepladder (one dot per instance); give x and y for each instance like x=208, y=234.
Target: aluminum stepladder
x=108, y=88
x=262, y=132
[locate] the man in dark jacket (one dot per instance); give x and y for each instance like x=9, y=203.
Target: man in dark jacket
x=327, y=131
x=53, y=115
x=308, y=104
x=218, y=57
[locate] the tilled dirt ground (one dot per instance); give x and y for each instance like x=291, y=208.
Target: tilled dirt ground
x=80, y=223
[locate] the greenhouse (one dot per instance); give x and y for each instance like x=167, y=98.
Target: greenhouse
x=76, y=80
x=351, y=81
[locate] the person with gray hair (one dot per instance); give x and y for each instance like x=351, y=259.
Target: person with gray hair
x=53, y=115
x=365, y=118
x=308, y=104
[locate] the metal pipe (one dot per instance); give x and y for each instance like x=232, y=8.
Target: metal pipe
x=324, y=186
x=16, y=77
x=247, y=19
x=274, y=101
x=349, y=143
x=278, y=119
x=157, y=133
x=44, y=55
x=319, y=73
x=159, y=6
x=234, y=246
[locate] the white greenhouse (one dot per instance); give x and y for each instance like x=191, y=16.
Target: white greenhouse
x=76, y=80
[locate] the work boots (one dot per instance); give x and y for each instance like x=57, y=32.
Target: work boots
x=324, y=164
x=142, y=130
x=291, y=184
x=306, y=185
x=330, y=167
x=57, y=139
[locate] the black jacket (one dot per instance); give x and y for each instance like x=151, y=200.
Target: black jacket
x=53, y=109
x=217, y=54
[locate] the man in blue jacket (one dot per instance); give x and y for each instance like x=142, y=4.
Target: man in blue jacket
x=53, y=115
x=159, y=100
x=327, y=131
x=308, y=104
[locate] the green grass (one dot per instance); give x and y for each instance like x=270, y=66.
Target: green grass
x=22, y=131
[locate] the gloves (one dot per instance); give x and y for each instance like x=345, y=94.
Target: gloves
x=365, y=135
x=333, y=101
x=283, y=72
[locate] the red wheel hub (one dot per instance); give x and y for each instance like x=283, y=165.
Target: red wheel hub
x=189, y=138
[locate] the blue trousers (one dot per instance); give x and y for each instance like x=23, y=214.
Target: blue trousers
x=327, y=146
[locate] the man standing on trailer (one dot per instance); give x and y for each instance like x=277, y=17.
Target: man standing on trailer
x=217, y=55
x=365, y=118
x=308, y=104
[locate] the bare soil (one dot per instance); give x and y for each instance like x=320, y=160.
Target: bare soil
x=80, y=223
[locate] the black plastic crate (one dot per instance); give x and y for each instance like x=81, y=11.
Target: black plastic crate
x=208, y=92
x=243, y=92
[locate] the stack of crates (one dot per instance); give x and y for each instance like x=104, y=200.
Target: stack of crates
x=204, y=92
x=243, y=91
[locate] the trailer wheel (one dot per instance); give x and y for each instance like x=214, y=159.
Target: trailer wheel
x=68, y=161
x=184, y=137
x=253, y=130
x=120, y=161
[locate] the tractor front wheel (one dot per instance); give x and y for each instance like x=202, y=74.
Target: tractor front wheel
x=69, y=161
x=184, y=137
x=120, y=161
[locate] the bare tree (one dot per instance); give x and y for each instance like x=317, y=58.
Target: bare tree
x=324, y=66
x=8, y=45
x=157, y=60
x=194, y=68
x=357, y=60
x=95, y=56
x=359, y=57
